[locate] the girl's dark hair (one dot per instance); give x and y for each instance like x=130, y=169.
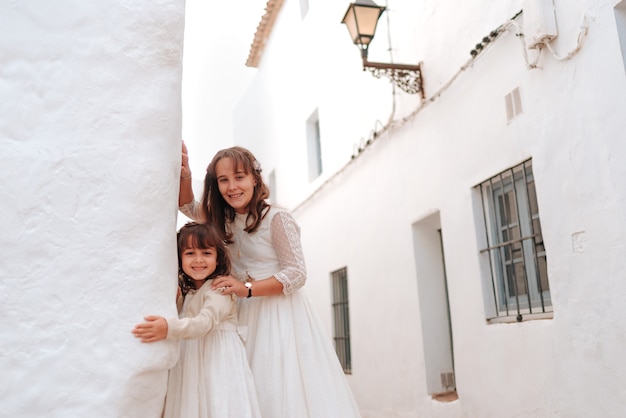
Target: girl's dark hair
x=202, y=236
x=216, y=211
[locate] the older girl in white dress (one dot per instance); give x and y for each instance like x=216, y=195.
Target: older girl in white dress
x=212, y=378
x=296, y=370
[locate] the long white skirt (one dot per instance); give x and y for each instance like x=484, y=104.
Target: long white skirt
x=212, y=379
x=296, y=370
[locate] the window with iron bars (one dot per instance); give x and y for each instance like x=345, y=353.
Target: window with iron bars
x=515, y=255
x=341, y=318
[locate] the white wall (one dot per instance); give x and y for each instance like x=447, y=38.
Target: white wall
x=217, y=39
x=90, y=121
x=572, y=127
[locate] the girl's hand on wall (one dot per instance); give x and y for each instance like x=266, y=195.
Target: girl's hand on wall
x=153, y=330
x=185, y=171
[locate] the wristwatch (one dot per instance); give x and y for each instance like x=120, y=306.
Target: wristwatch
x=249, y=286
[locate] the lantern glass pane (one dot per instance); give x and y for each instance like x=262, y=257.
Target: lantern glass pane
x=350, y=22
x=367, y=18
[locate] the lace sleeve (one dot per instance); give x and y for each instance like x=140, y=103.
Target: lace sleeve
x=286, y=241
x=192, y=210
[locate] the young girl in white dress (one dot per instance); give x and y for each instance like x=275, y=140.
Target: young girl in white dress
x=212, y=378
x=295, y=367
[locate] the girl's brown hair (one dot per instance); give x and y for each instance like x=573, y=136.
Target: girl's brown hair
x=202, y=236
x=216, y=210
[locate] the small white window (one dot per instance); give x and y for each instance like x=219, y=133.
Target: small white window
x=314, y=147
x=620, y=20
x=304, y=8
x=272, y=186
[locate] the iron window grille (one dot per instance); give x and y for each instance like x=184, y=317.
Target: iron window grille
x=341, y=318
x=515, y=250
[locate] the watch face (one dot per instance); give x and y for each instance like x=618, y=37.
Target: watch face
x=248, y=285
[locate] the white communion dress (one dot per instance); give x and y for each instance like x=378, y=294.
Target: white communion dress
x=296, y=370
x=212, y=378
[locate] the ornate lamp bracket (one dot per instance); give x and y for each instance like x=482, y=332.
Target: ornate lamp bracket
x=406, y=77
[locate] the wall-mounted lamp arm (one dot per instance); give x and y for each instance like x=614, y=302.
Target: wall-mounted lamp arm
x=361, y=19
x=406, y=77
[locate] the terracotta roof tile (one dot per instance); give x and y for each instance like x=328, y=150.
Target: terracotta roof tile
x=263, y=31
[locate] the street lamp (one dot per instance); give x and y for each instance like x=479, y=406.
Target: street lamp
x=361, y=19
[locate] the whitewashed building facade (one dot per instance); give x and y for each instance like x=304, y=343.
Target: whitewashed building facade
x=464, y=248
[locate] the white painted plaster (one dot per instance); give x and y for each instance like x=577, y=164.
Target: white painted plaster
x=90, y=121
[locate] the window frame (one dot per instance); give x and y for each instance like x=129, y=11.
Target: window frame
x=514, y=251
x=341, y=318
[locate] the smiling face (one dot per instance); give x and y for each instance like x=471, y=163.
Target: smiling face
x=198, y=263
x=235, y=185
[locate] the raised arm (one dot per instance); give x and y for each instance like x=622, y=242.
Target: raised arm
x=185, y=193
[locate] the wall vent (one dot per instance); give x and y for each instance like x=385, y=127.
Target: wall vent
x=513, y=102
